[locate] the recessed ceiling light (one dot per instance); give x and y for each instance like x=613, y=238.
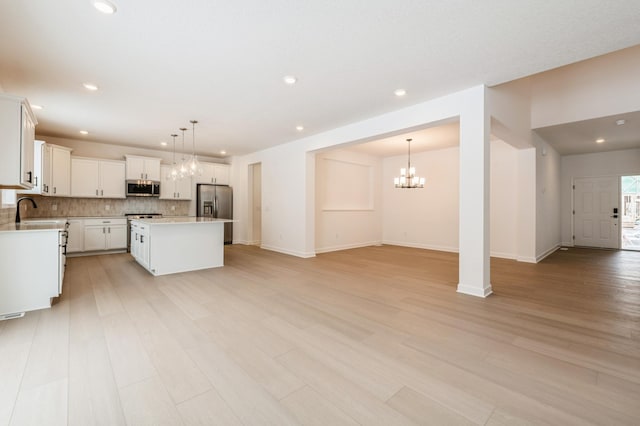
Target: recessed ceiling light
x=90, y=86
x=289, y=79
x=223, y=152
x=599, y=140
x=105, y=6
x=163, y=143
x=620, y=122
x=84, y=132
x=34, y=106
x=399, y=92
x=299, y=128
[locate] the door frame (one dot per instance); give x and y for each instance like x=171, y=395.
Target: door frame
x=573, y=208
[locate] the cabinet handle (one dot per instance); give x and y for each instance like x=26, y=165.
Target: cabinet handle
x=35, y=181
x=96, y=192
x=141, y=240
x=178, y=195
x=54, y=189
x=109, y=229
x=103, y=230
x=136, y=237
x=141, y=175
x=30, y=174
x=102, y=192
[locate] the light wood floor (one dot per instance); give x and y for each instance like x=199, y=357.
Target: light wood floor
x=367, y=336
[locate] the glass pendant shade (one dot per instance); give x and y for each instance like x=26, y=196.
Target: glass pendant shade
x=409, y=180
x=174, y=174
x=194, y=168
x=183, y=170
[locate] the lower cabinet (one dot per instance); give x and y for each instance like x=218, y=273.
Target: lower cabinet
x=105, y=234
x=75, y=240
x=140, y=243
x=97, y=234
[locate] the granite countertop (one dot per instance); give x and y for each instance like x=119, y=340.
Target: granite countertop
x=176, y=220
x=35, y=225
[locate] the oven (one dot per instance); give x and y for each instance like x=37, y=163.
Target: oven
x=133, y=216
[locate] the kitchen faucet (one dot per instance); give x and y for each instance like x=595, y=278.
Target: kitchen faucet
x=35, y=206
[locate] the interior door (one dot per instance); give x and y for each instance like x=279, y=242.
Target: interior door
x=595, y=202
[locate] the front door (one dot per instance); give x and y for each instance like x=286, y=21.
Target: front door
x=596, y=217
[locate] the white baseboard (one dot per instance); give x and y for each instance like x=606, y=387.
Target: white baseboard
x=304, y=255
x=244, y=242
x=421, y=246
x=547, y=252
x=509, y=256
x=526, y=259
x=346, y=246
x=565, y=244
x=474, y=291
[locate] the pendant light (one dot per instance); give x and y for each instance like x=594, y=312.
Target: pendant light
x=408, y=180
x=194, y=165
x=174, y=174
x=183, y=170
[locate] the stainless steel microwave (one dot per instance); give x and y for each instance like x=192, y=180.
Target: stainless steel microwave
x=143, y=188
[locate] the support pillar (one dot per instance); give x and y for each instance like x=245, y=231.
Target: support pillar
x=474, y=261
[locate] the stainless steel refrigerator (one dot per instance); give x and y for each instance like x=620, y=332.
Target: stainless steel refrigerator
x=216, y=201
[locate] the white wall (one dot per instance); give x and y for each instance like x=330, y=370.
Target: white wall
x=614, y=163
x=345, y=219
x=288, y=171
x=598, y=87
x=548, y=195
x=429, y=218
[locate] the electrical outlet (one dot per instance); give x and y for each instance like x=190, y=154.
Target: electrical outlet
x=107, y=207
x=173, y=208
x=54, y=207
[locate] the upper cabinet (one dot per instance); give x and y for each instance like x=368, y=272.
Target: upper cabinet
x=92, y=178
x=142, y=168
x=214, y=173
x=179, y=189
x=17, y=134
x=56, y=170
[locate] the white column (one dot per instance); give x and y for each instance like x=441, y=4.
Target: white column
x=475, y=123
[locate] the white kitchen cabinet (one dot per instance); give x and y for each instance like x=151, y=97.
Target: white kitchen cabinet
x=17, y=134
x=105, y=234
x=214, y=173
x=75, y=240
x=143, y=168
x=56, y=170
x=140, y=243
x=38, y=169
x=92, y=178
x=174, y=190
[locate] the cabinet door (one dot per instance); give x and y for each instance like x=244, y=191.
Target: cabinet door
x=144, y=252
x=135, y=244
x=46, y=169
x=221, y=174
x=167, y=185
x=183, y=188
x=84, y=178
x=112, y=179
x=152, y=169
x=75, y=240
x=60, y=172
x=27, y=138
x=117, y=237
x=37, y=170
x=208, y=173
x=95, y=238
x=135, y=168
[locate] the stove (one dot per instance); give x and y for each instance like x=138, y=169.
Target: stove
x=133, y=216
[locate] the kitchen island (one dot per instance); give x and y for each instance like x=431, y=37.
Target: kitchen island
x=178, y=244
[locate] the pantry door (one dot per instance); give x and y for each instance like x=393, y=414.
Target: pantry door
x=596, y=218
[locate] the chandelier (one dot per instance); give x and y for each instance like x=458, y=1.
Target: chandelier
x=409, y=180
x=184, y=167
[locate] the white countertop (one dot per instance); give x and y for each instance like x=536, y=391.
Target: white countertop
x=177, y=220
x=35, y=225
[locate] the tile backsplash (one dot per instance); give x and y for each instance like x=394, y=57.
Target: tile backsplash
x=83, y=207
x=7, y=215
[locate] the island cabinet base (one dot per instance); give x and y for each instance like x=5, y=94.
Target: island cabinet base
x=179, y=247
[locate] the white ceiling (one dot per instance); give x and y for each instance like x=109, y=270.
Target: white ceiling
x=580, y=137
x=161, y=63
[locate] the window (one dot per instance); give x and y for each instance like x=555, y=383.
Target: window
x=8, y=198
